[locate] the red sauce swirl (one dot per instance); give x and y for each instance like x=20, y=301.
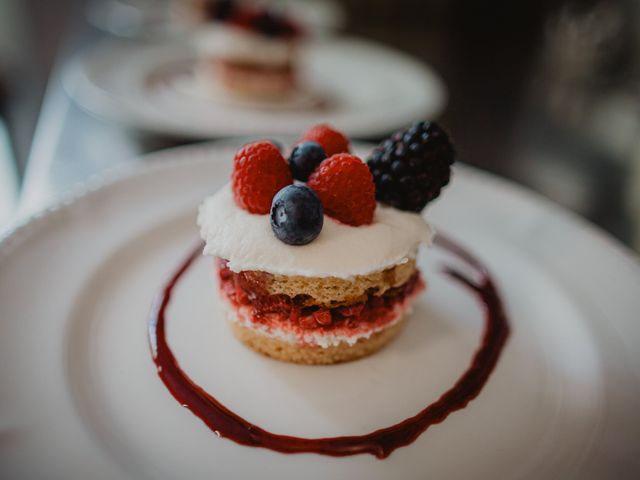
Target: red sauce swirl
x=381, y=443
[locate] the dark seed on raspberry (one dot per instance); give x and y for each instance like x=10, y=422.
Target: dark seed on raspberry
x=413, y=166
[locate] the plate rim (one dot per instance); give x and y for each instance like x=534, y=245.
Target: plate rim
x=74, y=78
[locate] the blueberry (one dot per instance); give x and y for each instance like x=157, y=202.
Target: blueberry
x=304, y=159
x=296, y=215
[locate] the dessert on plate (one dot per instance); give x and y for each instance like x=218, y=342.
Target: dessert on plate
x=249, y=51
x=316, y=256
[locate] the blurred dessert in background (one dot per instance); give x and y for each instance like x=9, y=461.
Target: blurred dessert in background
x=250, y=51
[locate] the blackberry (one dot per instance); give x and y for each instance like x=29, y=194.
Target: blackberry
x=411, y=167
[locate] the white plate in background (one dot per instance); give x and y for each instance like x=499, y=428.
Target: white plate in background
x=367, y=89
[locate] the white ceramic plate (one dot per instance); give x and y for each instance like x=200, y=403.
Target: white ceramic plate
x=80, y=397
x=367, y=89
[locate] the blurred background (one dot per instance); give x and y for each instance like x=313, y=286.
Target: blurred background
x=543, y=92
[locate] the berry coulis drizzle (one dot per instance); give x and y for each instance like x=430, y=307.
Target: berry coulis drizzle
x=382, y=442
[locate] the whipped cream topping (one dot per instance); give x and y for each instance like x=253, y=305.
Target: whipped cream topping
x=248, y=243
x=242, y=46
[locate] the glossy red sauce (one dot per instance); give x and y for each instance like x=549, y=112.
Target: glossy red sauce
x=381, y=443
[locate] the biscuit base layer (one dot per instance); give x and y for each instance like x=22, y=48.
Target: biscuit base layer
x=314, y=355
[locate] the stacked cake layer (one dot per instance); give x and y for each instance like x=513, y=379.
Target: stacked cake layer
x=316, y=255
x=318, y=320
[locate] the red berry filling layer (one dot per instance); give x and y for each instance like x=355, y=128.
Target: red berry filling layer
x=290, y=316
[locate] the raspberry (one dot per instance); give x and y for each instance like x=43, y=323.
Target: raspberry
x=411, y=167
x=322, y=317
x=307, y=321
x=259, y=172
x=319, y=318
x=345, y=187
x=331, y=140
x=352, y=310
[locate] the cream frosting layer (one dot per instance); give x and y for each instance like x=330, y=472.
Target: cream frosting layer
x=248, y=243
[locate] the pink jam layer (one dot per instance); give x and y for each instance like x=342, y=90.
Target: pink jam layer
x=280, y=313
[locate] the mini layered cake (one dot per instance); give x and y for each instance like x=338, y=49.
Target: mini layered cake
x=250, y=52
x=315, y=271
x=341, y=297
